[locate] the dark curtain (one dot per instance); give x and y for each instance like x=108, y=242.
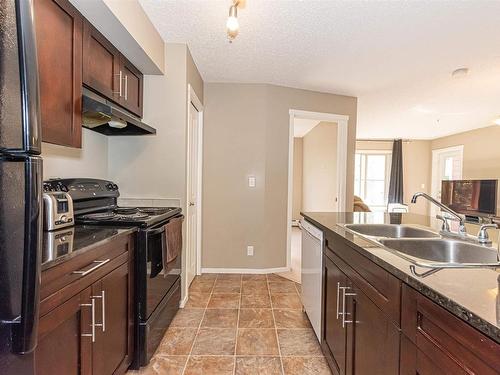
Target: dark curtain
x=396, y=180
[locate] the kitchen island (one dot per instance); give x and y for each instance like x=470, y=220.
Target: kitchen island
x=379, y=316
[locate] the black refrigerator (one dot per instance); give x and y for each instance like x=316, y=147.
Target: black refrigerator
x=20, y=188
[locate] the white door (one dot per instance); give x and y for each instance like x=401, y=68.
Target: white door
x=446, y=165
x=192, y=209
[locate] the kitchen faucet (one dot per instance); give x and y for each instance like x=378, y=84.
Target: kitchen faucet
x=462, y=232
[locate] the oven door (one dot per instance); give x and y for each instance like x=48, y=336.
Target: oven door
x=159, y=280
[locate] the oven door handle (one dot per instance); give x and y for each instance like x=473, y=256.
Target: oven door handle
x=156, y=231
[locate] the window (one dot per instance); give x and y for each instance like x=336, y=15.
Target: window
x=371, y=178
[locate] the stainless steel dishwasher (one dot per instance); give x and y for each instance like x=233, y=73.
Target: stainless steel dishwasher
x=312, y=267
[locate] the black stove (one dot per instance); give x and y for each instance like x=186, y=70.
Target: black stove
x=157, y=268
x=128, y=216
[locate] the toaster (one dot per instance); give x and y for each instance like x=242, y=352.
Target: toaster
x=58, y=210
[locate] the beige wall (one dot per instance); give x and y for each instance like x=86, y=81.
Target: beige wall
x=319, y=182
x=89, y=161
x=155, y=166
x=297, y=178
x=417, y=158
x=246, y=132
x=481, y=152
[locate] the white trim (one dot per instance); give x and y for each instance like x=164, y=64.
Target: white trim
x=193, y=99
x=183, y=302
x=258, y=271
x=435, y=157
x=342, y=129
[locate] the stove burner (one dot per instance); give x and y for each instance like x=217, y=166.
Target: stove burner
x=154, y=210
x=136, y=216
x=126, y=210
x=99, y=216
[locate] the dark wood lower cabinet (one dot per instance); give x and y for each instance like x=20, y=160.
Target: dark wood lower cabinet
x=113, y=347
x=334, y=340
x=372, y=339
x=374, y=324
x=62, y=348
x=87, y=322
x=437, y=342
x=358, y=337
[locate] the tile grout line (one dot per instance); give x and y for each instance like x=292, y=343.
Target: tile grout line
x=275, y=326
x=199, y=326
x=237, y=324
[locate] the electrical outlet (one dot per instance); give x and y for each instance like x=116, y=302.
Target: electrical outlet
x=250, y=251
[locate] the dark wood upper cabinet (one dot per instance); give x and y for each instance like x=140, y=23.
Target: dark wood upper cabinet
x=132, y=88
x=101, y=63
x=59, y=35
x=109, y=73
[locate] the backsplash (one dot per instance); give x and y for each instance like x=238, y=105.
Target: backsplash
x=140, y=202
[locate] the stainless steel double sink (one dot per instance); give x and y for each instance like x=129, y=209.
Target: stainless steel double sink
x=426, y=248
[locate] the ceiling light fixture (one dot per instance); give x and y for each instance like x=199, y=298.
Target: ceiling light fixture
x=497, y=121
x=460, y=72
x=232, y=24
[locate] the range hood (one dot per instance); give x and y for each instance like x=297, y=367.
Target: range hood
x=103, y=116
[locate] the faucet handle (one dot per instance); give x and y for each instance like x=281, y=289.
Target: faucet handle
x=482, y=236
x=446, y=226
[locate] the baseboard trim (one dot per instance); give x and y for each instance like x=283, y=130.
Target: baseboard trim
x=245, y=270
x=183, y=302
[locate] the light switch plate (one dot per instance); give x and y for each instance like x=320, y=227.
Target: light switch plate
x=251, y=181
x=250, y=251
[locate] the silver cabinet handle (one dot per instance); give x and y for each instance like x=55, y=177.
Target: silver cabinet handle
x=338, y=298
x=344, y=313
x=120, y=77
x=92, y=325
x=126, y=86
x=102, y=297
x=99, y=264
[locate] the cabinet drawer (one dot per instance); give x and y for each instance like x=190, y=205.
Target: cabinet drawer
x=63, y=281
x=379, y=285
x=444, y=341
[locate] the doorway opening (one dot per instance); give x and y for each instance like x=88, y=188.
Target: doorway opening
x=316, y=174
x=447, y=164
x=194, y=184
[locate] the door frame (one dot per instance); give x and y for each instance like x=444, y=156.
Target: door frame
x=342, y=128
x=434, y=167
x=193, y=99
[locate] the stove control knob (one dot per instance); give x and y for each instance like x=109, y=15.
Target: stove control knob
x=64, y=188
x=115, y=187
x=64, y=219
x=109, y=186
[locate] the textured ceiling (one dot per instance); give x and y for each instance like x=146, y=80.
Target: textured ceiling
x=395, y=56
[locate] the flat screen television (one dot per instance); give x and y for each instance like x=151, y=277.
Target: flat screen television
x=470, y=197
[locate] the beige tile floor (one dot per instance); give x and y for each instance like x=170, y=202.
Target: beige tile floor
x=239, y=324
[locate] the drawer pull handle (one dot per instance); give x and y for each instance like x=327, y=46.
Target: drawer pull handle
x=102, y=297
x=344, y=313
x=92, y=325
x=99, y=264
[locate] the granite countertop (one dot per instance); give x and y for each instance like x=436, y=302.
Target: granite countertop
x=64, y=244
x=470, y=294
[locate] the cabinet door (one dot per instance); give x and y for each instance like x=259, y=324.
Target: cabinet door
x=334, y=335
x=64, y=338
x=101, y=64
x=132, y=88
x=59, y=48
x=438, y=342
x=373, y=339
x=112, y=348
